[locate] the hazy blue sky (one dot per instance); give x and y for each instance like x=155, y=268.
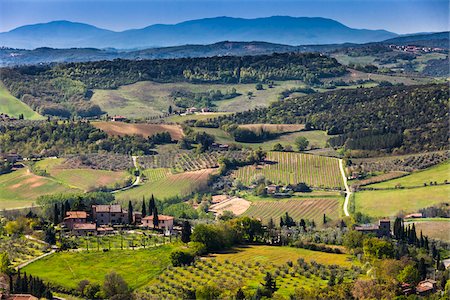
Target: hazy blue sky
x=401, y=16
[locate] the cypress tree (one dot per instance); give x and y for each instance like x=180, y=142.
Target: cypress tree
x=55, y=214
x=151, y=205
x=324, y=219
x=144, y=208
x=130, y=212
x=271, y=224
x=155, y=218
x=422, y=241
x=426, y=243
x=186, y=232
x=66, y=206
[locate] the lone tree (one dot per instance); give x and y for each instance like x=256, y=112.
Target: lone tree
x=55, y=214
x=130, y=212
x=302, y=143
x=151, y=205
x=324, y=219
x=144, y=208
x=155, y=218
x=270, y=285
x=186, y=232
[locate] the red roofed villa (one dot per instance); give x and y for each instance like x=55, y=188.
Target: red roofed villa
x=165, y=222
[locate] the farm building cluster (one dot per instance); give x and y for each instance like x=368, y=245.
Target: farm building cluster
x=103, y=218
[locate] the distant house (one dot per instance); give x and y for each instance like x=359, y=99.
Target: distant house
x=109, y=215
x=272, y=189
x=446, y=263
x=407, y=289
x=10, y=157
x=414, y=216
x=84, y=229
x=119, y=119
x=18, y=297
x=382, y=229
x=165, y=222
x=191, y=110
x=103, y=230
x=75, y=217
x=219, y=147
x=426, y=287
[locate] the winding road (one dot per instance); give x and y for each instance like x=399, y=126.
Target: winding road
x=135, y=183
x=348, y=192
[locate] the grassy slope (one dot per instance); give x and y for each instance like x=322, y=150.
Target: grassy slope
x=137, y=267
x=437, y=173
x=14, y=107
x=146, y=99
x=387, y=203
x=85, y=179
x=20, y=188
x=317, y=138
x=168, y=186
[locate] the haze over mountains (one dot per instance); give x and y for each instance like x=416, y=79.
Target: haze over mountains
x=277, y=29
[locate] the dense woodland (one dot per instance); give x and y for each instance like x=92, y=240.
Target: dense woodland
x=44, y=138
x=64, y=90
x=401, y=118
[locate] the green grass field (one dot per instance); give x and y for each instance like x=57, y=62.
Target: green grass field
x=84, y=179
x=14, y=107
x=147, y=99
x=436, y=228
x=164, y=185
x=195, y=117
x=316, y=138
x=137, y=267
x=437, y=173
x=388, y=203
x=290, y=167
x=21, y=188
x=298, y=208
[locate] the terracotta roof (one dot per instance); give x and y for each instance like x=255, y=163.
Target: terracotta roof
x=86, y=226
x=371, y=227
x=160, y=218
x=76, y=215
x=416, y=215
x=105, y=229
x=115, y=208
x=21, y=297
x=425, y=285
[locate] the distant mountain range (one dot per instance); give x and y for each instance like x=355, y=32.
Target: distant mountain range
x=278, y=29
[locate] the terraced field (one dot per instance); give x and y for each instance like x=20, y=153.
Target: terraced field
x=21, y=188
x=165, y=185
x=292, y=168
x=436, y=228
x=310, y=209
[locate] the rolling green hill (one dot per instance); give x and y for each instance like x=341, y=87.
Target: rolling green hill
x=12, y=106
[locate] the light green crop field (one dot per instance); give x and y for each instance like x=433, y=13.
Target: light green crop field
x=84, y=179
x=149, y=99
x=436, y=228
x=21, y=188
x=437, y=173
x=298, y=208
x=194, y=117
x=316, y=138
x=388, y=203
x=14, y=107
x=293, y=168
x=137, y=267
x=280, y=255
x=167, y=185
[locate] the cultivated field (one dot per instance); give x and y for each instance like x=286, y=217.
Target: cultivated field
x=14, y=107
x=245, y=268
x=20, y=249
x=66, y=269
x=316, y=138
x=388, y=203
x=144, y=129
x=290, y=167
x=195, y=117
x=299, y=208
x=234, y=204
x=21, y=188
x=165, y=185
x=84, y=179
x=437, y=174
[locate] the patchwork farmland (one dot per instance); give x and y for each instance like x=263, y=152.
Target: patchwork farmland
x=144, y=129
x=292, y=168
x=310, y=209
